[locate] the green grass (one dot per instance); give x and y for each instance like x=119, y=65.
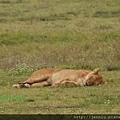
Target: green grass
x=77, y=34
x=95, y=99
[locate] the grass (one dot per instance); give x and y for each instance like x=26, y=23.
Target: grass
x=77, y=34
x=96, y=99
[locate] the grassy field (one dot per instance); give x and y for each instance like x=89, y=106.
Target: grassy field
x=77, y=34
x=82, y=100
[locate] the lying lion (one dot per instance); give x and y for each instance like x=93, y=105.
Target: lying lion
x=58, y=77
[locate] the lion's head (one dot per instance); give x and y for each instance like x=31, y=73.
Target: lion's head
x=94, y=78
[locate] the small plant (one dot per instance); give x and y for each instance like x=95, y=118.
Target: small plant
x=46, y=97
x=21, y=69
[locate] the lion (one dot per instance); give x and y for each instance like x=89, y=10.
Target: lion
x=38, y=78
x=62, y=77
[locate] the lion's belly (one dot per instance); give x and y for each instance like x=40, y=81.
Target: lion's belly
x=64, y=74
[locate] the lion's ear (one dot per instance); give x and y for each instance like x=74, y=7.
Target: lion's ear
x=96, y=70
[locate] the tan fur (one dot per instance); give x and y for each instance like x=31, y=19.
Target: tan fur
x=57, y=77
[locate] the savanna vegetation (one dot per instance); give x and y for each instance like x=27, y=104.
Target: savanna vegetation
x=76, y=34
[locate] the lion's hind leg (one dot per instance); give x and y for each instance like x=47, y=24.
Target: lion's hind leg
x=40, y=84
x=34, y=85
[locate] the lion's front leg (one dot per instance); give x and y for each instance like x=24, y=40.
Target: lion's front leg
x=58, y=82
x=66, y=82
x=69, y=83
